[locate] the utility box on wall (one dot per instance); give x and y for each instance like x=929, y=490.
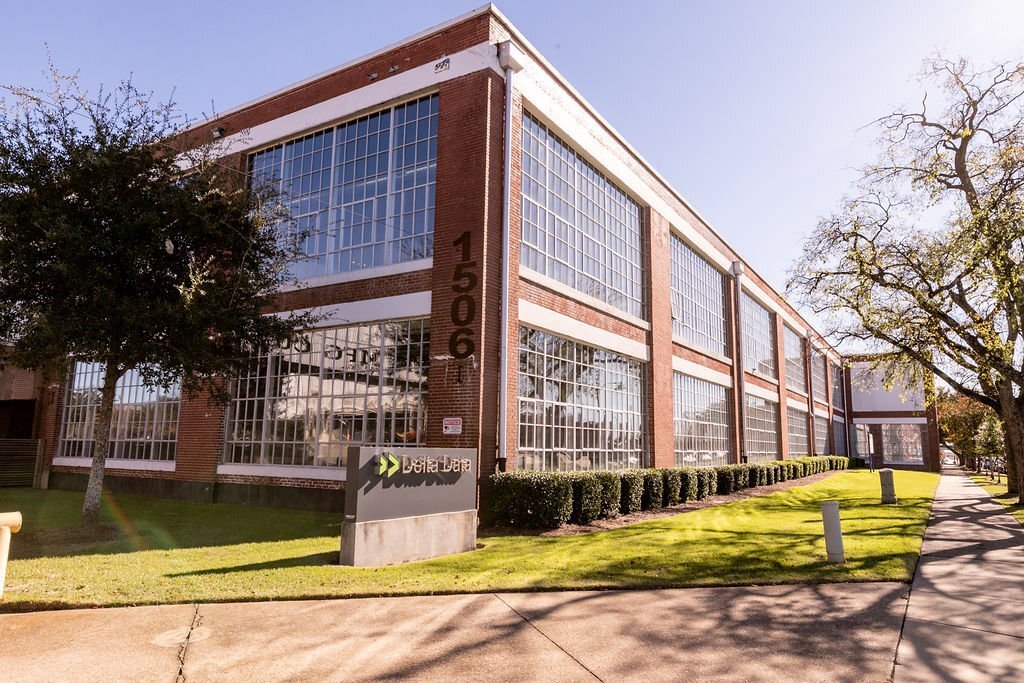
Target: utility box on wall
x=408, y=504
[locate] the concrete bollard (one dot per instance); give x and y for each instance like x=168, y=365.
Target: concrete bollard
x=10, y=522
x=833, y=531
x=888, y=486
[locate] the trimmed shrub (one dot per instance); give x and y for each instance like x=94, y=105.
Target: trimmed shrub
x=726, y=481
x=689, y=486
x=798, y=470
x=783, y=472
x=632, y=491
x=654, y=489
x=707, y=481
x=611, y=493
x=532, y=499
x=771, y=473
x=586, y=497
x=760, y=472
x=672, y=481
x=740, y=477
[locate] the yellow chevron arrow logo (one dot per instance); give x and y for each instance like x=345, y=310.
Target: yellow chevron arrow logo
x=387, y=464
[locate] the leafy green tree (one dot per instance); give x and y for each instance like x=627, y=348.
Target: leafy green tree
x=989, y=445
x=926, y=262
x=960, y=418
x=116, y=246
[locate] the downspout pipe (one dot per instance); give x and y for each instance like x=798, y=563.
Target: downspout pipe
x=736, y=270
x=811, y=445
x=510, y=62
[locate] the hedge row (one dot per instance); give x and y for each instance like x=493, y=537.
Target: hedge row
x=548, y=500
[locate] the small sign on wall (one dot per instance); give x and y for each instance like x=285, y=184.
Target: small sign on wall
x=452, y=426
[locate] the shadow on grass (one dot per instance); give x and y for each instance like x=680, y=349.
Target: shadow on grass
x=52, y=522
x=313, y=560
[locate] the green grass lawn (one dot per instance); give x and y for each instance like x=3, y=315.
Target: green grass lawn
x=1000, y=494
x=183, y=552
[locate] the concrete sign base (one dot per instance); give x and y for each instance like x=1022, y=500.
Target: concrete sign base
x=407, y=504
x=407, y=539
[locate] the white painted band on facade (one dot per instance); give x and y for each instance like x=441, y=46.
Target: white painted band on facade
x=416, y=304
x=563, y=325
x=688, y=367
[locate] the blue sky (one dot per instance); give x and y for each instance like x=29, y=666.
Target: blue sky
x=753, y=110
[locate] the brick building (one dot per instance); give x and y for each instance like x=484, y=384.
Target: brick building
x=498, y=270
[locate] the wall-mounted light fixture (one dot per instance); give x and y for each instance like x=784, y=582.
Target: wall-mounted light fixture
x=217, y=132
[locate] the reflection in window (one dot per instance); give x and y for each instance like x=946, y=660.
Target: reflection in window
x=820, y=435
x=837, y=386
x=818, y=383
x=361, y=193
x=578, y=227
x=796, y=355
x=761, y=430
x=144, y=425
x=758, y=338
x=839, y=437
x=334, y=388
x=579, y=406
x=796, y=428
x=863, y=444
x=698, y=299
x=903, y=444
x=703, y=433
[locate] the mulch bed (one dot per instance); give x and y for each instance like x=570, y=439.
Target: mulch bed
x=645, y=515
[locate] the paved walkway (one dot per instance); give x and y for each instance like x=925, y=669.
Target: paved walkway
x=965, y=619
x=963, y=623
x=777, y=633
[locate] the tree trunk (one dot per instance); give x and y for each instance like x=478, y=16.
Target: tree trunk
x=1012, y=415
x=100, y=447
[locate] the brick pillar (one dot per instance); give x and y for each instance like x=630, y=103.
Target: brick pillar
x=466, y=277
x=737, y=368
x=780, y=362
x=660, y=415
x=515, y=230
x=200, y=439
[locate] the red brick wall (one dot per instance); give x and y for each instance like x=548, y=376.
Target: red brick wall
x=426, y=50
x=660, y=415
x=466, y=277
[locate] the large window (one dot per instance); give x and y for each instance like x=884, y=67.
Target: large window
x=820, y=435
x=144, y=425
x=837, y=386
x=337, y=387
x=361, y=193
x=758, y=338
x=902, y=444
x=578, y=227
x=796, y=360
x=703, y=422
x=818, y=383
x=839, y=437
x=761, y=430
x=863, y=444
x=796, y=428
x=698, y=300
x=579, y=406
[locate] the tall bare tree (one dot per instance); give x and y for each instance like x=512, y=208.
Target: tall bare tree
x=926, y=262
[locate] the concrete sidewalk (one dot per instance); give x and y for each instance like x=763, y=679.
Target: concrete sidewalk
x=964, y=622
x=777, y=633
x=965, y=618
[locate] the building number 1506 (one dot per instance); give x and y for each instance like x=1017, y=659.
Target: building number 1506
x=461, y=343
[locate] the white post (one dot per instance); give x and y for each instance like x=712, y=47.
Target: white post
x=888, y=486
x=833, y=531
x=9, y=522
